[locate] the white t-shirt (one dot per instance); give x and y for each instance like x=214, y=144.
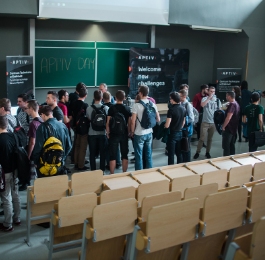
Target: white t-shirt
x=138, y=109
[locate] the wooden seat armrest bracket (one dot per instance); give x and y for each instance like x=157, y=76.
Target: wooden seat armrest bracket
x=55, y=219
x=249, y=215
x=210, y=162
x=89, y=231
x=70, y=192
x=139, y=219
x=32, y=197
x=160, y=170
x=202, y=227
x=132, y=176
x=141, y=240
x=56, y=207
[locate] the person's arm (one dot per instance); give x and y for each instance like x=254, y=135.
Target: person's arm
x=107, y=126
x=227, y=119
x=184, y=121
x=204, y=103
x=66, y=119
x=129, y=125
x=190, y=113
x=157, y=117
x=31, y=146
x=39, y=142
x=260, y=122
x=244, y=119
x=168, y=121
x=133, y=124
x=68, y=144
x=195, y=101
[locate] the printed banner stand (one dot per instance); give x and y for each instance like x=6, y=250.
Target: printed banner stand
x=226, y=79
x=19, y=76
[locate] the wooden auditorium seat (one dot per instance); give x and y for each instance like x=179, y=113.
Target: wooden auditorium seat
x=240, y=175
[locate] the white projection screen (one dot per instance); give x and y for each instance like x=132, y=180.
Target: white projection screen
x=127, y=11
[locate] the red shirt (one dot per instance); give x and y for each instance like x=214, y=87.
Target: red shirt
x=64, y=109
x=196, y=102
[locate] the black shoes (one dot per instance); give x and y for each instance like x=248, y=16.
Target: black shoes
x=23, y=187
x=118, y=166
x=85, y=168
x=107, y=167
x=196, y=156
x=208, y=155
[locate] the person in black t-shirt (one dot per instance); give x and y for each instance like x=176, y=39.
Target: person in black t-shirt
x=7, y=154
x=119, y=138
x=175, y=121
x=52, y=99
x=80, y=140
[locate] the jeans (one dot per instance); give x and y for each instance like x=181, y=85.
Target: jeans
x=174, y=146
x=186, y=156
x=8, y=196
x=94, y=142
x=80, y=150
x=143, y=142
x=228, y=142
x=251, y=143
x=206, y=128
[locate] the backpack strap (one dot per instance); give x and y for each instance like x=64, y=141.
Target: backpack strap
x=37, y=119
x=145, y=106
x=48, y=127
x=218, y=102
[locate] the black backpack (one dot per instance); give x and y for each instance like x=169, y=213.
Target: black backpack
x=149, y=115
x=21, y=135
x=98, y=118
x=82, y=122
x=21, y=161
x=117, y=122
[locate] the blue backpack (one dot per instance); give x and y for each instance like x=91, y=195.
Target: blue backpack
x=149, y=115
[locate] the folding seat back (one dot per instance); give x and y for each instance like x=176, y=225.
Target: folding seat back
x=259, y=171
x=219, y=177
x=240, y=175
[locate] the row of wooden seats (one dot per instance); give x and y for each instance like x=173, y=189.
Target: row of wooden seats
x=47, y=191
x=69, y=213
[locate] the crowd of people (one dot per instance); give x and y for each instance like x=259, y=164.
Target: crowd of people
x=66, y=125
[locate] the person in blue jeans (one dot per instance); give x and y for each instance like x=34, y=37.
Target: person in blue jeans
x=175, y=122
x=142, y=137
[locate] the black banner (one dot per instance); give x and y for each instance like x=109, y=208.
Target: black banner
x=226, y=79
x=19, y=76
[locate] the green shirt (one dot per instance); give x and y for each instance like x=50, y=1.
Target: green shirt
x=252, y=112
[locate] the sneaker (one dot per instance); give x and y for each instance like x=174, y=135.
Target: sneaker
x=86, y=161
x=132, y=160
x=208, y=155
x=118, y=166
x=17, y=223
x=6, y=229
x=23, y=187
x=68, y=170
x=196, y=156
x=107, y=167
x=85, y=168
x=166, y=152
x=132, y=152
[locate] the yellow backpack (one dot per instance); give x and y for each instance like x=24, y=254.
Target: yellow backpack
x=51, y=156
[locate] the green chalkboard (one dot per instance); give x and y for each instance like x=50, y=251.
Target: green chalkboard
x=62, y=64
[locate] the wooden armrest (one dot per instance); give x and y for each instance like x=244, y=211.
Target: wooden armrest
x=141, y=240
x=31, y=196
x=139, y=219
x=56, y=207
x=69, y=192
x=89, y=231
x=249, y=213
x=201, y=224
x=55, y=219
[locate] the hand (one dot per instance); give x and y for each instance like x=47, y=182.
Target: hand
x=132, y=134
x=35, y=166
x=223, y=128
x=108, y=136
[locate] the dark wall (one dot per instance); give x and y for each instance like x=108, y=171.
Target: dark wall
x=14, y=41
x=21, y=8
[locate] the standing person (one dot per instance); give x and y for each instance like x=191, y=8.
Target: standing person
x=197, y=104
x=237, y=91
x=176, y=121
x=103, y=88
x=107, y=102
x=63, y=100
x=52, y=99
x=186, y=156
x=230, y=125
x=81, y=139
x=253, y=116
x=57, y=129
x=143, y=136
x=7, y=155
x=245, y=94
x=210, y=104
x=75, y=95
x=32, y=110
x=118, y=128
x=22, y=115
x=5, y=110
x=97, y=138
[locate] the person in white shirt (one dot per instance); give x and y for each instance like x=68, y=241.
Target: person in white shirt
x=142, y=136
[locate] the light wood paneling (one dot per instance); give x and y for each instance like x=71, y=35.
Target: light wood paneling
x=116, y=195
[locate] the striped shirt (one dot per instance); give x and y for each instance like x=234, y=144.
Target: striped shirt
x=24, y=120
x=12, y=123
